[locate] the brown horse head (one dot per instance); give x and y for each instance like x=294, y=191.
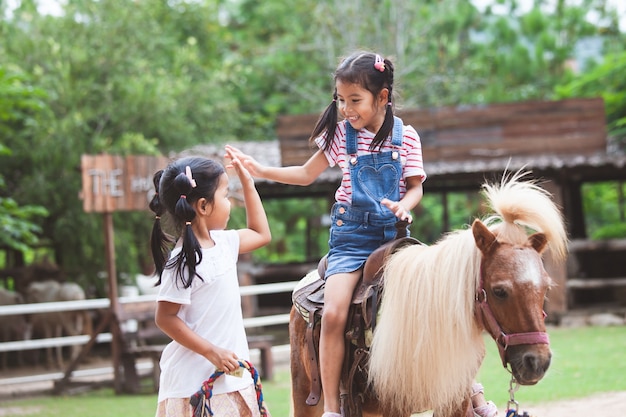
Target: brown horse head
x=510, y=301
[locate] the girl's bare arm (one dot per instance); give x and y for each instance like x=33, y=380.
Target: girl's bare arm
x=166, y=319
x=294, y=175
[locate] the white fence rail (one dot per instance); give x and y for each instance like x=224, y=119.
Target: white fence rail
x=104, y=303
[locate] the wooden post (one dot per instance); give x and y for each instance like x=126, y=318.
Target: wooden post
x=113, y=183
x=109, y=248
x=556, y=306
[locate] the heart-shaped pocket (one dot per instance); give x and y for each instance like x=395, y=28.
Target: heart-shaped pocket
x=378, y=183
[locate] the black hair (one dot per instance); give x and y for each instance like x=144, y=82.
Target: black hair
x=359, y=69
x=175, y=194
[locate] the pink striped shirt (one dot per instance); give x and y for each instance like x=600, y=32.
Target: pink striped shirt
x=410, y=154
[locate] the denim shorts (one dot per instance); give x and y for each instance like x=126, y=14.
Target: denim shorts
x=354, y=236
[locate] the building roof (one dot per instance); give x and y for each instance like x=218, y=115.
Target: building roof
x=442, y=175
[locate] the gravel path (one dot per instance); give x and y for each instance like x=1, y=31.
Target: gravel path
x=600, y=405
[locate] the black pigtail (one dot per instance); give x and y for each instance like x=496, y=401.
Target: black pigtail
x=159, y=241
x=327, y=124
x=191, y=253
x=385, y=129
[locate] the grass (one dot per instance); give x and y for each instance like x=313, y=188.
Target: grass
x=586, y=361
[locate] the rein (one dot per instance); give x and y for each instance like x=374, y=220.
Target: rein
x=201, y=400
x=485, y=316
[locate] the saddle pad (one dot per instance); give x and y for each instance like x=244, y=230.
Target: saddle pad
x=308, y=295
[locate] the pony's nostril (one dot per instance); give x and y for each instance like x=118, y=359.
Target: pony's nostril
x=531, y=362
x=534, y=363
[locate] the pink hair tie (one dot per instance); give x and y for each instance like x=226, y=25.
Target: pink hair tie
x=379, y=64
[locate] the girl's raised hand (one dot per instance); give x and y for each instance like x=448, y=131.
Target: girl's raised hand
x=243, y=174
x=248, y=162
x=398, y=209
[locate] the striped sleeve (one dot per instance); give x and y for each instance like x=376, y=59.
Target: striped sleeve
x=414, y=165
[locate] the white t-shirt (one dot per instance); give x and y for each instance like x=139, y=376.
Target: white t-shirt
x=212, y=309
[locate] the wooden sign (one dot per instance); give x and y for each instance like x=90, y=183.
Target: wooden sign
x=118, y=183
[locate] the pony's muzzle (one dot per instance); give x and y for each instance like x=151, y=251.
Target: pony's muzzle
x=529, y=363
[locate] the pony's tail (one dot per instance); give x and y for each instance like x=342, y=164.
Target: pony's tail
x=525, y=203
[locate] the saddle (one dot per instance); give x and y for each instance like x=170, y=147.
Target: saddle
x=308, y=298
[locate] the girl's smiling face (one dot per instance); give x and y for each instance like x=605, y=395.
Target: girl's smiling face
x=362, y=109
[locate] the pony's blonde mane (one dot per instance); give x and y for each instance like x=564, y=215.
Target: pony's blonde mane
x=427, y=347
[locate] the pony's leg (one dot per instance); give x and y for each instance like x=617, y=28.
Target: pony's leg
x=73, y=326
x=49, y=330
x=300, y=369
x=59, y=349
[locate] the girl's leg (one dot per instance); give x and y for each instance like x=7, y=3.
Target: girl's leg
x=337, y=297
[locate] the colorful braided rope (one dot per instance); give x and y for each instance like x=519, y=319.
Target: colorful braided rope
x=201, y=403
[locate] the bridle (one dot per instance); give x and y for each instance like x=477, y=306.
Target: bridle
x=485, y=317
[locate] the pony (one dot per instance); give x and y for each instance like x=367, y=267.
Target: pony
x=14, y=328
x=427, y=344
x=58, y=324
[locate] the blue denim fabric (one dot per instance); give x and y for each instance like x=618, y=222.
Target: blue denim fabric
x=360, y=228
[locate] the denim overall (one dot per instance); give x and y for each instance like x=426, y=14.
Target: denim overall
x=358, y=229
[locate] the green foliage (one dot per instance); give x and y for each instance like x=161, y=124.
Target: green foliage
x=140, y=78
x=296, y=236
x=19, y=104
x=605, y=79
x=157, y=77
x=604, y=206
x=428, y=224
x=19, y=231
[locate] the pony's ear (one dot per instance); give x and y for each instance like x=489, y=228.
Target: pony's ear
x=538, y=241
x=483, y=236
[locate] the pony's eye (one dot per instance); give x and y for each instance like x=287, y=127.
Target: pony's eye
x=500, y=293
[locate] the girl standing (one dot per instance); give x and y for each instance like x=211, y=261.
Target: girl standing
x=199, y=304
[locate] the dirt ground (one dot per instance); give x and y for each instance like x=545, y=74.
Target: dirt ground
x=600, y=405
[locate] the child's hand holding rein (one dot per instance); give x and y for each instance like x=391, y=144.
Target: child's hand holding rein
x=223, y=359
x=398, y=209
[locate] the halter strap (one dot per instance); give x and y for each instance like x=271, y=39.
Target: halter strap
x=485, y=317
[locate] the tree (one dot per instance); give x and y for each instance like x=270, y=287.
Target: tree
x=19, y=105
x=604, y=79
x=118, y=79
x=159, y=77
